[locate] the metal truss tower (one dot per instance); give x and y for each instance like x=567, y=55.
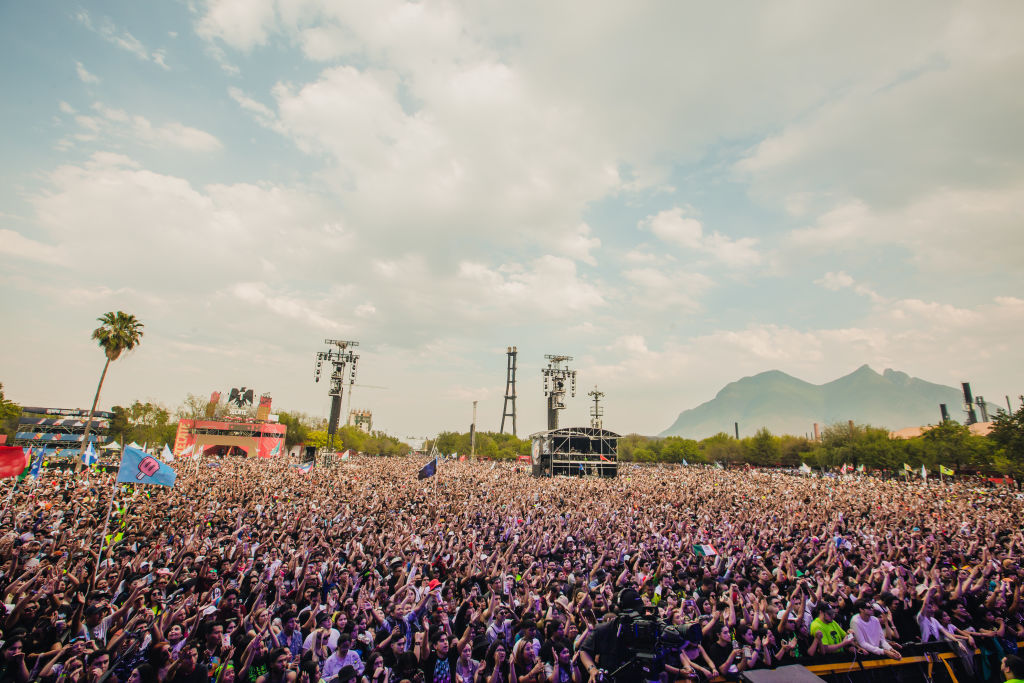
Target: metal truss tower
x=597, y=412
x=339, y=357
x=510, y=390
x=556, y=378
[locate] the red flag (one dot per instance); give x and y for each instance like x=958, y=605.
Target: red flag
x=13, y=461
x=603, y=458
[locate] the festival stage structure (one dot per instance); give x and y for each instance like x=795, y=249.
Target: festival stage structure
x=575, y=452
x=261, y=437
x=59, y=431
x=340, y=357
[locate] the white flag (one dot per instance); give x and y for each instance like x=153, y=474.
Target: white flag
x=166, y=454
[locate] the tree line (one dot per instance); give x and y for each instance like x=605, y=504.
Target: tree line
x=949, y=444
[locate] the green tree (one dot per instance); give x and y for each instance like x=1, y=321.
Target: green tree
x=794, y=449
x=317, y=438
x=845, y=443
x=952, y=444
x=9, y=414
x=1007, y=435
x=722, y=448
x=143, y=423
x=677, y=449
x=763, y=448
x=298, y=429
x=118, y=332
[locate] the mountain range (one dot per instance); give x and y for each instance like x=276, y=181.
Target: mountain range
x=787, y=405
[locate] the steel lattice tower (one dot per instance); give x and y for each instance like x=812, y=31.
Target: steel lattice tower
x=510, y=391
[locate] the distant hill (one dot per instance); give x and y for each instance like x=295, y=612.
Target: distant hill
x=787, y=405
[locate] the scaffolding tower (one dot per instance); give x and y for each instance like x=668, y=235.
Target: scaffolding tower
x=510, y=390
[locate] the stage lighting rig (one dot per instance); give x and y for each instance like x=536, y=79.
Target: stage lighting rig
x=340, y=357
x=557, y=380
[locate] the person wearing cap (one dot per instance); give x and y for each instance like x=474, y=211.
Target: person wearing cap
x=826, y=633
x=868, y=632
x=323, y=631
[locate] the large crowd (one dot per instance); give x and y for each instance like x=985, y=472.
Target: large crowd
x=255, y=571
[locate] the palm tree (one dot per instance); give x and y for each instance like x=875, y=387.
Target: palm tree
x=117, y=333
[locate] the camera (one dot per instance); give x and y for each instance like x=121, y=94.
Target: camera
x=646, y=640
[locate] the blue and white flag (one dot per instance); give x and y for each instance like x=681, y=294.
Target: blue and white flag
x=89, y=457
x=37, y=463
x=139, y=468
x=305, y=467
x=685, y=464
x=428, y=470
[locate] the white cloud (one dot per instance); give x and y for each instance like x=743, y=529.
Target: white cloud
x=242, y=24
x=296, y=308
x=84, y=75
x=941, y=231
x=123, y=40
x=673, y=226
x=841, y=280
x=16, y=245
x=550, y=287
x=668, y=288
x=112, y=124
x=218, y=233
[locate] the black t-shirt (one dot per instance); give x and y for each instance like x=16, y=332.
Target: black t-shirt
x=719, y=653
x=438, y=670
x=607, y=650
x=905, y=621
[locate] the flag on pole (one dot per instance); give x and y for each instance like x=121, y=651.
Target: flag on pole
x=428, y=470
x=924, y=472
x=166, y=454
x=37, y=464
x=907, y=468
x=139, y=468
x=946, y=471
x=89, y=457
x=187, y=452
x=27, y=469
x=718, y=465
x=805, y=468
x=304, y=468
x=603, y=458
x=685, y=464
x=860, y=468
x=13, y=461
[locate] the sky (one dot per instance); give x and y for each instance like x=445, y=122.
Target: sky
x=677, y=195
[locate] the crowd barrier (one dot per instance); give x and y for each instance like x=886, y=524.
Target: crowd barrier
x=939, y=666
